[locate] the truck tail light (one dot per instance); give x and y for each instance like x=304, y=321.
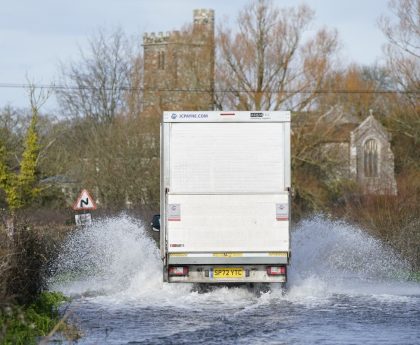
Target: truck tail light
x=178, y=271
x=276, y=270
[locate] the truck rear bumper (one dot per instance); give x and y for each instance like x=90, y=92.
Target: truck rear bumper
x=240, y=273
x=275, y=258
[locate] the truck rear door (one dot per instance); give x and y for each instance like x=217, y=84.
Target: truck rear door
x=226, y=184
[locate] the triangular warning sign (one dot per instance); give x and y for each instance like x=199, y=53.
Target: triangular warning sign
x=84, y=202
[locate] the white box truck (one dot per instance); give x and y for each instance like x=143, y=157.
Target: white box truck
x=225, y=196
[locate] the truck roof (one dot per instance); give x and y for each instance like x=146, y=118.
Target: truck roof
x=226, y=116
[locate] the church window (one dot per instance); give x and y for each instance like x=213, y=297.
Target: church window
x=371, y=158
x=161, y=60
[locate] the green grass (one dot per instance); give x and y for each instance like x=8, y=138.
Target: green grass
x=21, y=325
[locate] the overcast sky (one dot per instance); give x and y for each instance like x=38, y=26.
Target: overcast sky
x=36, y=34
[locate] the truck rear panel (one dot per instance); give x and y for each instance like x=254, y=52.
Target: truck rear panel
x=225, y=181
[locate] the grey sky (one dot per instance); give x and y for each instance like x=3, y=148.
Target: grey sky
x=35, y=35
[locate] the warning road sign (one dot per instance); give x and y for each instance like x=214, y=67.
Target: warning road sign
x=84, y=202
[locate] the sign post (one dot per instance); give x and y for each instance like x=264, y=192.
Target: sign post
x=84, y=203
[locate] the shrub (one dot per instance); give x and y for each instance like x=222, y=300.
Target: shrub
x=394, y=219
x=21, y=325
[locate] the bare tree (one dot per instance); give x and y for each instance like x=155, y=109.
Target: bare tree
x=105, y=146
x=403, y=48
x=403, y=61
x=267, y=63
x=134, y=96
x=357, y=88
x=13, y=124
x=404, y=34
x=95, y=87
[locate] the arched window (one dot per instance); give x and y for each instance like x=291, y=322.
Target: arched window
x=371, y=158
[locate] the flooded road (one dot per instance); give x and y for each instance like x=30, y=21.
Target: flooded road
x=344, y=288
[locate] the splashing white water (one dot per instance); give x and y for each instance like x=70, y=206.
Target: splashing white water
x=335, y=257
x=107, y=258
x=115, y=260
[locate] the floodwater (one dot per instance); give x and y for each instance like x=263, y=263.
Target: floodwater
x=344, y=288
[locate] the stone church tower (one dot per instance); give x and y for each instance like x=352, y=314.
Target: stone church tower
x=179, y=67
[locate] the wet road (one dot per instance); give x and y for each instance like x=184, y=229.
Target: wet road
x=344, y=288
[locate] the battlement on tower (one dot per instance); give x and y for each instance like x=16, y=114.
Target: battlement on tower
x=200, y=17
x=203, y=16
x=160, y=37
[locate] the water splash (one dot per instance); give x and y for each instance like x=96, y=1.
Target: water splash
x=331, y=249
x=335, y=257
x=116, y=261
x=106, y=258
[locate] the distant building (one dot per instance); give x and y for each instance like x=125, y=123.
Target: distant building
x=179, y=67
x=361, y=151
x=371, y=158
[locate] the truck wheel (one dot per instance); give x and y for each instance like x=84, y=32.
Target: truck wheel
x=202, y=288
x=279, y=286
x=259, y=288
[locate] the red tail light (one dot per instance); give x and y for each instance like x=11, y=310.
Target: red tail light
x=178, y=271
x=276, y=270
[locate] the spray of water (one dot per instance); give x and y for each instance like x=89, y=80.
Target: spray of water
x=115, y=260
x=335, y=257
x=106, y=258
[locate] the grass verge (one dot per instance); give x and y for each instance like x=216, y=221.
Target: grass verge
x=22, y=325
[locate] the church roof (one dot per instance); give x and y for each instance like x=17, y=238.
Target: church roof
x=340, y=133
x=371, y=123
x=337, y=124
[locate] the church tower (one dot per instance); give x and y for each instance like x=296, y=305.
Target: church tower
x=179, y=67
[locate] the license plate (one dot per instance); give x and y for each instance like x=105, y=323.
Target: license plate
x=228, y=272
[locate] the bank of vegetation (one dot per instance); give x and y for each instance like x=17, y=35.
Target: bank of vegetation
x=100, y=139
x=35, y=322
x=27, y=245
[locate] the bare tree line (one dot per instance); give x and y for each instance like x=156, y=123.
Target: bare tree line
x=106, y=143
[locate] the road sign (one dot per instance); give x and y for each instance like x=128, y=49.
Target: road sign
x=83, y=219
x=84, y=202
